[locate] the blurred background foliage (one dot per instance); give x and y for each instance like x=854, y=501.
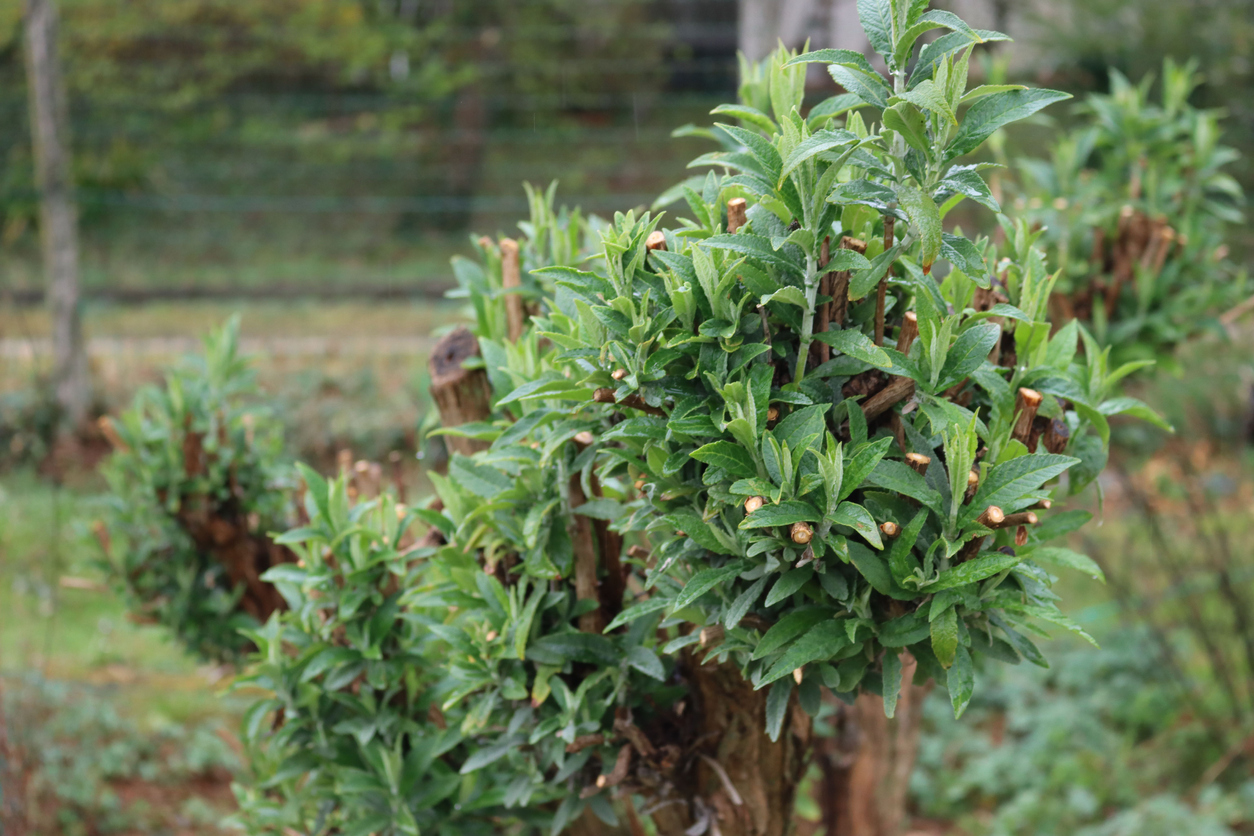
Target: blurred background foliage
x=315, y=163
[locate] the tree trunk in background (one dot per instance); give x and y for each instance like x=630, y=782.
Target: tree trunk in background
x=867, y=766
x=58, y=217
x=764, y=23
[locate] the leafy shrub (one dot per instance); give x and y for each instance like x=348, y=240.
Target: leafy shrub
x=1137, y=203
x=28, y=423
x=197, y=479
x=712, y=488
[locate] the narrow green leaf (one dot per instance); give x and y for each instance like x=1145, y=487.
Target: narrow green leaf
x=973, y=571
x=785, y=513
x=857, y=345
x=961, y=681
x=646, y=661
x=705, y=580
x=945, y=637
x=731, y=457
x=892, y=682
x=1070, y=559
x=924, y=217
x=777, y=708
x=994, y=111
x=788, y=583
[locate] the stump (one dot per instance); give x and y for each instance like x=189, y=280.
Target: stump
x=461, y=395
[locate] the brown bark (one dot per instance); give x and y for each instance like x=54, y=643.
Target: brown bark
x=461, y=395
x=583, y=541
x=866, y=767
x=745, y=780
x=736, y=214
x=222, y=531
x=897, y=390
x=58, y=217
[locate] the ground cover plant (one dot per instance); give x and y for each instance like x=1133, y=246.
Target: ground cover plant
x=750, y=455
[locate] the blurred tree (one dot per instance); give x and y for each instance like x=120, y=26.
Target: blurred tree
x=58, y=221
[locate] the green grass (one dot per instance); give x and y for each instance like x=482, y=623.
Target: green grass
x=84, y=634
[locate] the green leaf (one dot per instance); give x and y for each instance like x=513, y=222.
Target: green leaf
x=788, y=583
x=790, y=626
x=988, y=90
x=925, y=219
x=705, y=580
x=901, y=562
x=994, y=111
x=864, y=461
x=600, y=509
x=928, y=96
x=892, y=683
x=691, y=523
x=965, y=256
x=874, y=568
x=973, y=571
x=788, y=295
x=747, y=114
x=833, y=107
x=756, y=246
x=813, y=146
x=1008, y=482
x=560, y=648
x=865, y=83
x=961, y=681
x=635, y=611
x=896, y=476
x=1070, y=559
x=489, y=754
x=1135, y=408
x=804, y=426
x=646, y=661
x=547, y=386
x=785, y=513
x=759, y=146
x=860, y=520
x=856, y=344
x=945, y=637
x=731, y=457
x=821, y=642
x=864, y=281
x=777, y=708
x=876, y=17
x=743, y=603
x=968, y=353
x=910, y=122
x=828, y=56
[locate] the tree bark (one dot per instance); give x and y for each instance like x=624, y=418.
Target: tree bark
x=58, y=216
x=461, y=395
x=744, y=780
x=866, y=767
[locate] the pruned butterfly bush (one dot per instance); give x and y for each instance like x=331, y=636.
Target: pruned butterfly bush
x=1137, y=204
x=197, y=479
x=734, y=460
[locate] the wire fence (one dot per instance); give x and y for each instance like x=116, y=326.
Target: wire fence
x=287, y=188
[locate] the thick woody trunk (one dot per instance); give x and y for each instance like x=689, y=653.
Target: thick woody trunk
x=743, y=781
x=58, y=217
x=866, y=767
